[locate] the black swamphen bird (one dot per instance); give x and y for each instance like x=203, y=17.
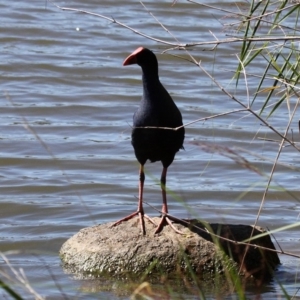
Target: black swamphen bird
x=157, y=109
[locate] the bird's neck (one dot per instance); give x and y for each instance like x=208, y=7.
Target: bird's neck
x=150, y=72
x=151, y=83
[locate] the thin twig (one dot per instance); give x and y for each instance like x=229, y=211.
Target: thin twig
x=267, y=14
x=192, y=122
x=246, y=16
x=162, y=25
x=277, y=141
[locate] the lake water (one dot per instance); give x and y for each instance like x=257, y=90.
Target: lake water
x=62, y=77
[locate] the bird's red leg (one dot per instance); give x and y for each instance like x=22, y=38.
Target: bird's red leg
x=164, y=209
x=140, y=210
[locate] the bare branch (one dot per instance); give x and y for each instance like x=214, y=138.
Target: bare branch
x=248, y=109
x=180, y=45
x=195, y=121
x=112, y=20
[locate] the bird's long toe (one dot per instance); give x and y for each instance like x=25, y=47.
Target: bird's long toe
x=164, y=221
x=141, y=217
x=126, y=218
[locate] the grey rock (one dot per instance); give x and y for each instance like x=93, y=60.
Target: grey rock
x=124, y=253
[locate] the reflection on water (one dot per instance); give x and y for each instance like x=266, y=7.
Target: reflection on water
x=63, y=73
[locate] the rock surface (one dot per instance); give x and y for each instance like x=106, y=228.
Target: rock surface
x=123, y=252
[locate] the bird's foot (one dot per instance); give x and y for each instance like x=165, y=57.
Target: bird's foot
x=141, y=216
x=167, y=219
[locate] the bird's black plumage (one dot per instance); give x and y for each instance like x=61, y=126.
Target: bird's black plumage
x=157, y=109
x=160, y=142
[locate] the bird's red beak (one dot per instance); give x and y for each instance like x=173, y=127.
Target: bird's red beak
x=131, y=59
